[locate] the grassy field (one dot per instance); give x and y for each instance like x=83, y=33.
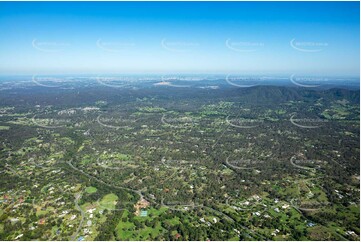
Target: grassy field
x=109, y=201
x=91, y=190
x=126, y=229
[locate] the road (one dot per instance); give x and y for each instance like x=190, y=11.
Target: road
x=237, y=167
x=104, y=183
x=76, y=200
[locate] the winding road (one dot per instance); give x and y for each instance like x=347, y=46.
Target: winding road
x=104, y=183
x=76, y=201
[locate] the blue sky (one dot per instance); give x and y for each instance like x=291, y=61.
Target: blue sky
x=320, y=38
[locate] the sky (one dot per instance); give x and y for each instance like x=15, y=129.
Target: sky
x=315, y=38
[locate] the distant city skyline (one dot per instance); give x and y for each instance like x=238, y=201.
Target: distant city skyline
x=315, y=38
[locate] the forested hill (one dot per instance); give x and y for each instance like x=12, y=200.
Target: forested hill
x=81, y=95
x=279, y=94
